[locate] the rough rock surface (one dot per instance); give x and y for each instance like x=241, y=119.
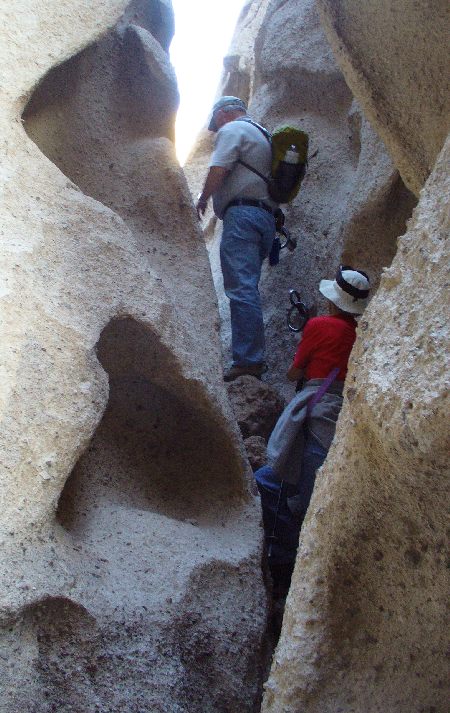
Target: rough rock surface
x=256, y=447
x=405, y=88
x=256, y=406
x=379, y=205
x=130, y=543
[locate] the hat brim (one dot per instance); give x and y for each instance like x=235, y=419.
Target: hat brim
x=212, y=126
x=331, y=290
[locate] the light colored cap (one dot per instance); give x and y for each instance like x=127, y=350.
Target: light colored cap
x=349, y=291
x=230, y=103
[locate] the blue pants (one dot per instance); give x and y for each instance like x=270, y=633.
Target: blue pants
x=247, y=237
x=281, y=527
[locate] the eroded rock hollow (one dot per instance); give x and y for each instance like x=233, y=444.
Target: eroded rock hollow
x=130, y=538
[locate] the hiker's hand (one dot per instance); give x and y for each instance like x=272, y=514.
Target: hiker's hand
x=214, y=179
x=201, y=206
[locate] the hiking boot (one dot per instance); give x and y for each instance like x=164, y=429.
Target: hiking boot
x=256, y=370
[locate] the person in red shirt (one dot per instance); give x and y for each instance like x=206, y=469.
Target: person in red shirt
x=326, y=343
x=303, y=434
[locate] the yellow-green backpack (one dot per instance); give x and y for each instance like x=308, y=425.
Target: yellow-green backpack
x=289, y=160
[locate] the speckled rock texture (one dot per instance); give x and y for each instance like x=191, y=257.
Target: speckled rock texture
x=256, y=406
x=256, y=447
x=130, y=541
x=404, y=88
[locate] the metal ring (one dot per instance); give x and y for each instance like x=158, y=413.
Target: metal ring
x=285, y=239
x=297, y=316
x=294, y=298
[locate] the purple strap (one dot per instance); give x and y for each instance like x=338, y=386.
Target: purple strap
x=320, y=392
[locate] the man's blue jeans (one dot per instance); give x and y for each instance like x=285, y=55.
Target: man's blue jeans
x=247, y=237
x=281, y=527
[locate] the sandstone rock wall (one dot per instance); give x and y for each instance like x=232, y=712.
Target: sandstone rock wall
x=405, y=87
x=130, y=544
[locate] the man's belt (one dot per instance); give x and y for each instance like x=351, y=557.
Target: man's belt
x=250, y=202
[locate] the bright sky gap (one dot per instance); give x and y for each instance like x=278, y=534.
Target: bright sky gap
x=203, y=33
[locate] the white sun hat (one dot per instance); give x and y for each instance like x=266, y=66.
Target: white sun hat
x=349, y=291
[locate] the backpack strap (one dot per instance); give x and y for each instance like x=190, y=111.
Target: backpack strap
x=254, y=170
x=267, y=136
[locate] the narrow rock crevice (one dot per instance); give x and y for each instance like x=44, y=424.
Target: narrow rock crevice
x=371, y=235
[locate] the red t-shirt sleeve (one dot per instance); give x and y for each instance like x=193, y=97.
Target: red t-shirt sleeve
x=307, y=344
